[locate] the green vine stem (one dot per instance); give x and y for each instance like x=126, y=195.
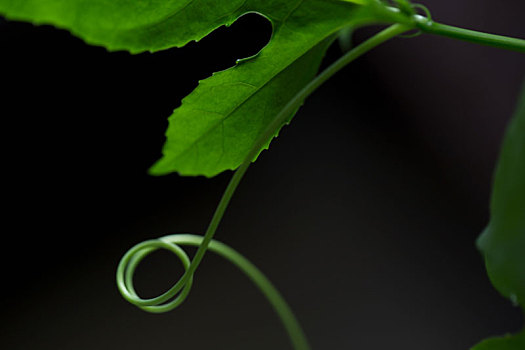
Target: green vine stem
x=180, y=290
x=428, y=26
x=406, y=14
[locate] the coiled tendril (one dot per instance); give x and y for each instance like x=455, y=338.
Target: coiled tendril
x=180, y=290
x=128, y=264
x=424, y=17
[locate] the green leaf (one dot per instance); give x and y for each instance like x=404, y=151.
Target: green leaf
x=503, y=242
x=218, y=123
x=138, y=25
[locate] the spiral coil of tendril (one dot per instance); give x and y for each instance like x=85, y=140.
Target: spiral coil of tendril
x=176, y=295
x=168, y=300
x=421, y=16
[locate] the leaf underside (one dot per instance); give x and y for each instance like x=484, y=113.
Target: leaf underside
x=220, y=120
x=503, y=242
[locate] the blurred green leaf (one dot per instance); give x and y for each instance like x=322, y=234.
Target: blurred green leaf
x=503, y=242
x=509, y=342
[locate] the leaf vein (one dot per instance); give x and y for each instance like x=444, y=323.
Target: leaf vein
x=237, y=107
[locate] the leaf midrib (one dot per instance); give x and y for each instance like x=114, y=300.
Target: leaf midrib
x=232, y=112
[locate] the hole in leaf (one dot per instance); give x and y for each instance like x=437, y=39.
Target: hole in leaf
x=246, y=37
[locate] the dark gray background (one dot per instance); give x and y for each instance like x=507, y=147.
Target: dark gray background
x=364, y=212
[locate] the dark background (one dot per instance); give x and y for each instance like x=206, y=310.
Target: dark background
x=363, y=212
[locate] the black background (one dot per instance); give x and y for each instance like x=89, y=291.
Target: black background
x=363, y=212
